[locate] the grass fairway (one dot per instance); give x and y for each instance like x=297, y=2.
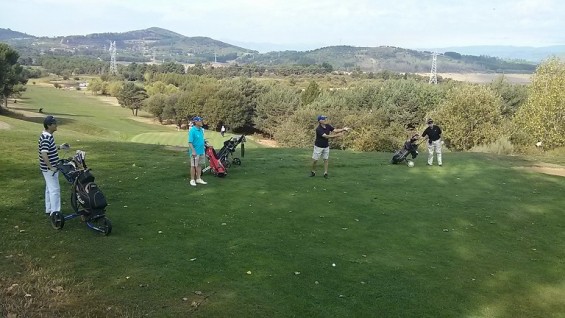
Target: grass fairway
x=475, y=238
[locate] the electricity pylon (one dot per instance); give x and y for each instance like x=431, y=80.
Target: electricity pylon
x=433, y=72
x=113, y=67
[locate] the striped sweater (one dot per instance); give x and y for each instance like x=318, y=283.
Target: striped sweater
x=46, y=144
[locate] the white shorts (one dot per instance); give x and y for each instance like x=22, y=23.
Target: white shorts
x=321, y=152
x=199, y=160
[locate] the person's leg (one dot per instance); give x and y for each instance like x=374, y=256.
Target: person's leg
x=430, y=153
x=197, y=168
x=54, y=189
x=201, y=161
x=438, y=151
x=47, y=199
x=192, y=170
x=326, y=156
x=315, y=157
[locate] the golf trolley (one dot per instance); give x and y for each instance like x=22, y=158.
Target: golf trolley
x=220, y=161
x=87, y=201
x=410, y=147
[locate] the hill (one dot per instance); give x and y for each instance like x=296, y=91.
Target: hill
x=160, y=45
x=526, y=53
x=7, y=34
x=389, y=58
x=148, y=45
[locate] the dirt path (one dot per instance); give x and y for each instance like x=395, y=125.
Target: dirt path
x=547, y=168
x=266, y=142
x=4, y=125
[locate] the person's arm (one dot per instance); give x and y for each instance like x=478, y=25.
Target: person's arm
x=339, y=133
x=46, y=160
x=193, y=151
x=342, y=129
x=190, y=142
x=425, y=134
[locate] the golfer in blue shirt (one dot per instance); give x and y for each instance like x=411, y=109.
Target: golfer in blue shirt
x=196, y=151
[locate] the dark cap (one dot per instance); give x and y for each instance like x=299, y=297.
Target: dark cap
x=197, y=118
x=322, y=117
x=430, y=121
x=49, y=120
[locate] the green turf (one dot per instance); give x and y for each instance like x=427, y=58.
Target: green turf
x=475, y=238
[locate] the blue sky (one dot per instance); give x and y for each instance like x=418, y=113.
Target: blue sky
x=305, y=24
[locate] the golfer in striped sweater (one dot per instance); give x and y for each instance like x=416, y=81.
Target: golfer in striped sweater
x=48, y=159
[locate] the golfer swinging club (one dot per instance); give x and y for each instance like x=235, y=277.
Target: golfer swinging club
x=322, y=145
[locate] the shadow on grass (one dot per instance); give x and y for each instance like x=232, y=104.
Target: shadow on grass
x=45, y=112
x=473, y=238
x=37, y=119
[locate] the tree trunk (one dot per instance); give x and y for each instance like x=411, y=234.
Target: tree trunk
x=136, y=112
x=6, y=102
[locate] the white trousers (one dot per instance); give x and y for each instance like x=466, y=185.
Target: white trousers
x=435, y=146
x=52, y=192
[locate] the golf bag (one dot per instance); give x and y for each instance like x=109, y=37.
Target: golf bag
x=410, y=148
x=228, y=151
x=87, y=193
x=214, y=163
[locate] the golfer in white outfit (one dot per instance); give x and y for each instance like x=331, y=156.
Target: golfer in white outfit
x=433, y=134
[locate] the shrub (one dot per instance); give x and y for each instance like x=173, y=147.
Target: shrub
x=502, y=146
x=543, y=115
x=298, y=129
x=469, y=116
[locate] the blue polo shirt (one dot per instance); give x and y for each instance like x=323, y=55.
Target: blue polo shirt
x=196, y=138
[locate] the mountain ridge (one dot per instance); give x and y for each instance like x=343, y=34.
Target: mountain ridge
x=161, y=45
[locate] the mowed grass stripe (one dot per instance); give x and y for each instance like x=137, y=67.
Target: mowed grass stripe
x=475, y=238
x=180, y=139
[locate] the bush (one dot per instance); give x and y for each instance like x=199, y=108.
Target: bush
x=469, y=116
x=542, y=117
x=370, y=132
x=298, y=129
x=502, y=146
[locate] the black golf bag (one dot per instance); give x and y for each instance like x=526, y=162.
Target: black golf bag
x=89, y=194
x=410, y=148
x=86, y=193
x=229, y=148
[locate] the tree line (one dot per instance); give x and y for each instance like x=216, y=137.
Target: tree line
x=380, y=112
x=381, y=108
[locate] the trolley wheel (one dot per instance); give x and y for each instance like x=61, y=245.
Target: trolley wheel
x=237, y=161
x=57, y=220
x=106, y=226
x=102, y=225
